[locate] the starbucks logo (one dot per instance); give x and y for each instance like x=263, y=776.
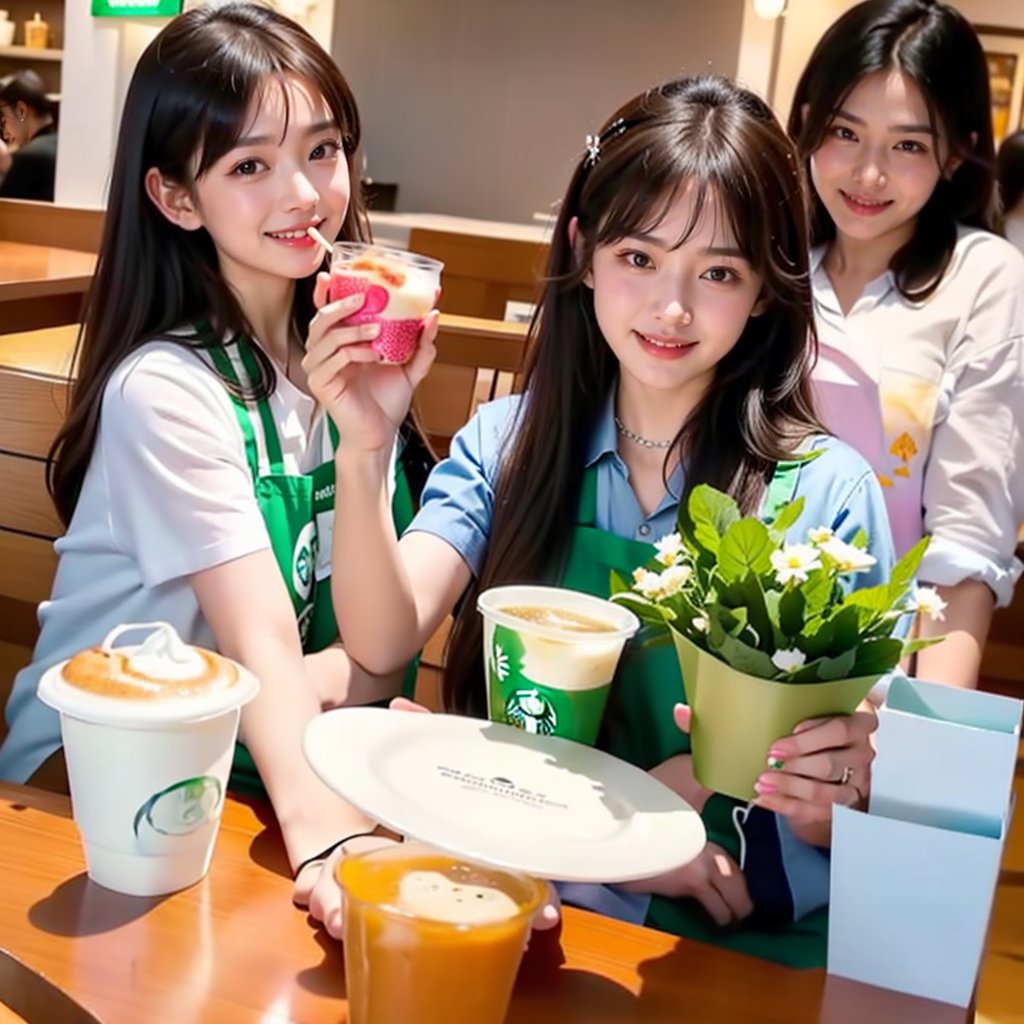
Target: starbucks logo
x=531, y=711
x=179, y=810
x=303, y=561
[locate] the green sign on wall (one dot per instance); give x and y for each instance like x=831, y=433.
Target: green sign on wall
x=135, y=8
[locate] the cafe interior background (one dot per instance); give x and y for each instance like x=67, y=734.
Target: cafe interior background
x=474, y=112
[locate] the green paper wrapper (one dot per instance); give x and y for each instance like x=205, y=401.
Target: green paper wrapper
x=737, y=717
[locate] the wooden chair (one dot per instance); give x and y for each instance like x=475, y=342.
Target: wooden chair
x=482, y=273
x=33, y=400
x=477, y=360
x=34, y=368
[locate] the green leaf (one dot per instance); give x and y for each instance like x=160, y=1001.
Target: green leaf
x=839, y=667
x=817, y=591
x=905, y=569
x=860, y=539
x=617, y=583
x=745, y=547
x=870, y=603
x=644, y=609
x=920, y=643
x=789, y=514
x=833, y=635
x=746, y=659
x=711, y=514
x=791, y=611
x=734, y=620
x=874, y=657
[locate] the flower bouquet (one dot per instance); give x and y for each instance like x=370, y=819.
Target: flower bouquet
x=770, y=633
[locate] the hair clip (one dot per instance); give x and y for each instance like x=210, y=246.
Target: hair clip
x=595, y=142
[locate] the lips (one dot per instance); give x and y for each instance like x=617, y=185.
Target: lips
x=660, y=346
x=296, y=231
x=865, y=206
x=665, y=341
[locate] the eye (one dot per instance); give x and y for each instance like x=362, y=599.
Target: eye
x=842, y=132
x=911, y=146
x=721, y=275
x=636, y=259
x=326, y=150
x=248, y=167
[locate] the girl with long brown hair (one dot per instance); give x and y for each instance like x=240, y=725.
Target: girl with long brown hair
x=195, y=470
x=672, y=346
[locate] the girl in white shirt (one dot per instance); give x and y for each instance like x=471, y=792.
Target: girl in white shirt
x=919, y=309
x=195, y=471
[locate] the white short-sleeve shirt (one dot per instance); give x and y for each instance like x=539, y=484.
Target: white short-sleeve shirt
x=950, y=373
x=167, y=493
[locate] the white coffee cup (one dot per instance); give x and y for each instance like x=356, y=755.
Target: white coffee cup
x=147, y=775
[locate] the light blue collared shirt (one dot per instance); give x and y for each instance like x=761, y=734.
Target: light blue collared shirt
x=839, y=488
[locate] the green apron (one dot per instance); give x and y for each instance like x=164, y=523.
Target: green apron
x=297, y=510
x=639, y=727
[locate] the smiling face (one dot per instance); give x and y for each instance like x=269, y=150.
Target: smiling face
x=670, y=312
x=879, y=162
x=287, y=173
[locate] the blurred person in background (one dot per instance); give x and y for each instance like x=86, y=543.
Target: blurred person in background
x=28, y=127
x=1011, y=187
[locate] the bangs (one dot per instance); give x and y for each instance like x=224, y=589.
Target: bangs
x=646, y=188
x=223, y=92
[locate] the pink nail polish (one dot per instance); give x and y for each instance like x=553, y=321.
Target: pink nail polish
x=765, y=787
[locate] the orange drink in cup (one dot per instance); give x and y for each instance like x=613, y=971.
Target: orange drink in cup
x=399, y=290
x=431, y=939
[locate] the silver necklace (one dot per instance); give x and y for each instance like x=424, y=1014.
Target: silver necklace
x=644, y=442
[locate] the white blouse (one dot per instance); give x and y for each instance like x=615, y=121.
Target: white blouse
x=934, y=399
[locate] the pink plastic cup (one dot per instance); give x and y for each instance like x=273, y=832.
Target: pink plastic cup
x=400, y=289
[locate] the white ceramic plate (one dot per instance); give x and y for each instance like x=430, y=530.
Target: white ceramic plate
x=543, y=805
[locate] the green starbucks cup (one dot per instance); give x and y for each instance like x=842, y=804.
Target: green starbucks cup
x=549, y=658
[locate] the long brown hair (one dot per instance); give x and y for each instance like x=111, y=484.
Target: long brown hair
x=936, y=46
x=704, y=130
x=187, y=106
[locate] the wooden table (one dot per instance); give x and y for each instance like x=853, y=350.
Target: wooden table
x=233, y=949
x=42, y=285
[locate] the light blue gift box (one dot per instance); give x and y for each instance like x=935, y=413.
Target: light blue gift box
x=913, y=879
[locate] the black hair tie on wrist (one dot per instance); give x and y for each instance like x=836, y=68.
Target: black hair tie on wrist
x=326, y=852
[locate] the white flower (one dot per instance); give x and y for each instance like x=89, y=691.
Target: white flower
x=789, y=660
x=674, y=578
x=700, y=624
x=846, y=557
x=819, y=534
x=647, y=583
x=794, y=562
x=927, y=600
x=670, y=549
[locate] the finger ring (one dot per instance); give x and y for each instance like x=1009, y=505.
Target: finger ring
x=847, y=775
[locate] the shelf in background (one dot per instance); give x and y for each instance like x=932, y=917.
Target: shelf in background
x=31, y=53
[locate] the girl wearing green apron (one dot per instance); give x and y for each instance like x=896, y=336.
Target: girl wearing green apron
x=194, y=472
x=298, y=510
x=672, y=346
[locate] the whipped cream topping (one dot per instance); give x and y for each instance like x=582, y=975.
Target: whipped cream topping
x=433, y=895
x=163, y=655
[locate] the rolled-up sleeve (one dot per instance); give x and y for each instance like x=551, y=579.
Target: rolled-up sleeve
x=458, y=499
x=973, y=492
